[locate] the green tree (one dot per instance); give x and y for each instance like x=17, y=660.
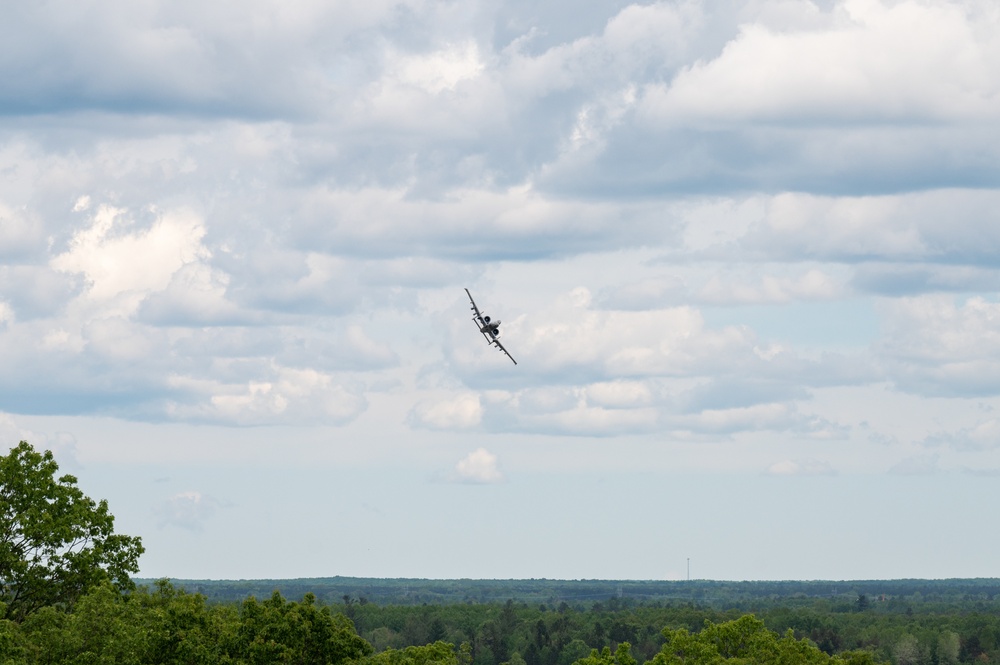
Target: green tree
x=55, y=542
x=621, y=656
x=745, y=640
x=278, y=631
x=438, y=653
x=948, y=648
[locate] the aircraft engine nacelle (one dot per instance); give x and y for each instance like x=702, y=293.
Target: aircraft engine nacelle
x=486, y=319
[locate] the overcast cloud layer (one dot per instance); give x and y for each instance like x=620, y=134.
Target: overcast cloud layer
x=745, y=239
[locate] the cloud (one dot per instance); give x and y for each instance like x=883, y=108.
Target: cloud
x=911, y=279
x=21, y=238
x=836, y=70
x=285, y=395
x=783, y=417
x=985, y=435
x=440, y=70
x=461, y=412
x=250, y=60
x=566, y=411
x=517, y=223
x=189, y=510
x=120, y=267
x=933, y=345
x=811, y=285
x=62, y=444
x=897, y=227
x=479, y=467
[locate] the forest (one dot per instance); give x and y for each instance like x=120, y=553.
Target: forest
x=68, y=595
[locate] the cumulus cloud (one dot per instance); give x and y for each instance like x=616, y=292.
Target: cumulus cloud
x=120, y=267
x=564, y=411
x=62, y=444
x=811, y=285
x=948, y=225
x=934, y=345
x=461, y=412
x=285, y=395
x=837, y=71
x=189, y=510
x=515, y=223
x=985, y=435
x=479, y=467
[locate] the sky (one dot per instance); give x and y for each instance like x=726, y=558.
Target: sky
x=744, y=252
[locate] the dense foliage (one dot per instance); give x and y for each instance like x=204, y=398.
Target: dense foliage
x=167, y=626
x=55, y=543
x=163, y=625
x=561, y=635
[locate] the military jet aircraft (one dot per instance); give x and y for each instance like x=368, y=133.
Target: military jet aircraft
x=490, y=329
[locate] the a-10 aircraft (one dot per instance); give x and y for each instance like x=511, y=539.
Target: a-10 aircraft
x=490, y=329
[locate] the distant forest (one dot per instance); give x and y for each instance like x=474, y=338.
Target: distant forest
x=914, y=595
x=560, y=622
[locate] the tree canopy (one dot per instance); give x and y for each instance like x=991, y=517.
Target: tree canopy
x=55, y=542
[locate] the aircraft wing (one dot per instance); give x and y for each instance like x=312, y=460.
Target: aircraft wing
x=478, y=317
x=497, y=344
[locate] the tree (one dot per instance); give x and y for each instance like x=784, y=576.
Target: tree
x=948, y=648
x=746, y=640
x=438, y=653
x=279, y=631
x=55, y=542
x=621, y=656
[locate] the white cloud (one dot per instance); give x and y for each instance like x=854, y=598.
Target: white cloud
x=195, y=295
x=619, y=394
x=478, y=467
x=561, y=411
x=872, y=60
x=895, y=227
x=121, y=267
x=985, y=435
x=461, y=412
x=280, y=395
x=20, y=236
x=517, y=223
x=189, y=510
x=440, y=70
x=932, y=345
x=811, y=285
x=62, y=444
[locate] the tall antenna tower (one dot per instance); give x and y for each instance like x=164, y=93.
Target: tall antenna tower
x=689, y=569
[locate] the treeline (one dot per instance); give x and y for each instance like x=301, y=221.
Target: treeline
x=895, y=595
